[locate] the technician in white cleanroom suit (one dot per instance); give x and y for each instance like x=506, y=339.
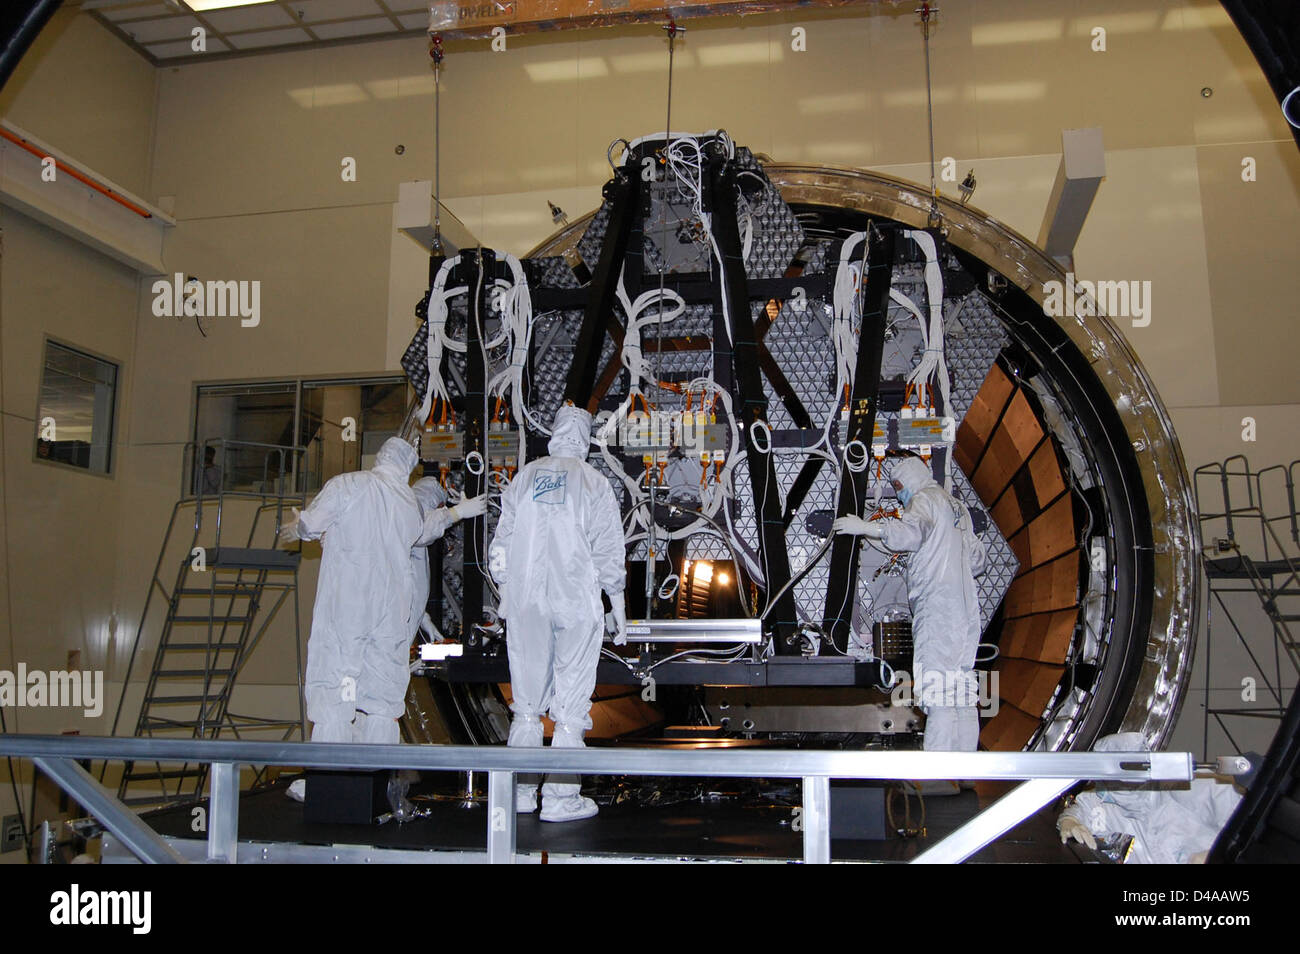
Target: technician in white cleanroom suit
x=1169, y=824
x=945, y=558
x=359, y=651
x=558, y=544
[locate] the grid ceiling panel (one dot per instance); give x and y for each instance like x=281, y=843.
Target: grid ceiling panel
x=162, y=32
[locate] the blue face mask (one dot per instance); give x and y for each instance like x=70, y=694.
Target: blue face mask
x=905, y=496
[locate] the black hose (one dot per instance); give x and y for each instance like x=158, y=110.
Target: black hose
x=771, y=603
x=20, y=25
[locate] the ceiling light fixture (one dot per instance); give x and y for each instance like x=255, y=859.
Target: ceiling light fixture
x=202, y=6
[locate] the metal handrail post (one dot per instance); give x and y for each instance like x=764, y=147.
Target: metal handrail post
x=1227, y=504
x=816, y=819
x=223, y=812
x=1225, y=476
x=501, y=834
x=1290, y=493
x=45, y=844
x=221, y=489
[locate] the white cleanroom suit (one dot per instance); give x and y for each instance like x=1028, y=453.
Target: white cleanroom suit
x=558, y=544
x=359, y=651
x=945, y=558
x=1173, y=823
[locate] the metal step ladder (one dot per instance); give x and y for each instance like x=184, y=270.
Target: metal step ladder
x=220, y=605
x=1252, y=545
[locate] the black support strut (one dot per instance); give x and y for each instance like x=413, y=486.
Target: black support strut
x=864, y=400
x=752, y=406
x=475, y=427
x=622, y=192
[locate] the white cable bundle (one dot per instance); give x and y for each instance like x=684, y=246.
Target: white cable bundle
x=685, y=162
x=515, y=306
x=746, y=218
x=436, y=338
x=632, y=357
x=748, y=214
x=516, y=309
x=844, y=309
x=898, y=297
x=603, y=438
x=717, y=492
x=745, y=551
x=932, y=365
x=844, y=302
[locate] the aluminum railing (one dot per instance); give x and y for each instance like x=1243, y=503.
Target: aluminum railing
x=1044, y=775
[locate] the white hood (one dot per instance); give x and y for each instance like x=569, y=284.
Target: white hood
x=395, y=460
x=913, y=473
x=571, y=434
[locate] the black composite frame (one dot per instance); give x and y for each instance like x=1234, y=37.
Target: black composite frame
x=741, y=361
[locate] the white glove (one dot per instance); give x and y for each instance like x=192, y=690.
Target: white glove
x=429, y=629
x=470, y=507
x=1070, y=827
x=619, y=616
x=856, y=526
x=289, y=530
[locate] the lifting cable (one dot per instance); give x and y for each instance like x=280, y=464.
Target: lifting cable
x=436, y=54
x=671, y=29
x=927, y=12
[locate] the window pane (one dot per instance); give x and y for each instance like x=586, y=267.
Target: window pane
x=242, y=414
x=75, y=424
x=345, y=422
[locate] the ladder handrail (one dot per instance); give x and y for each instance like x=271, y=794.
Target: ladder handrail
x=1222, y=471
x=1289, y=515
x=1290, y=489
x=1253, y=483
x=1267, y=579
x=223, y=446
